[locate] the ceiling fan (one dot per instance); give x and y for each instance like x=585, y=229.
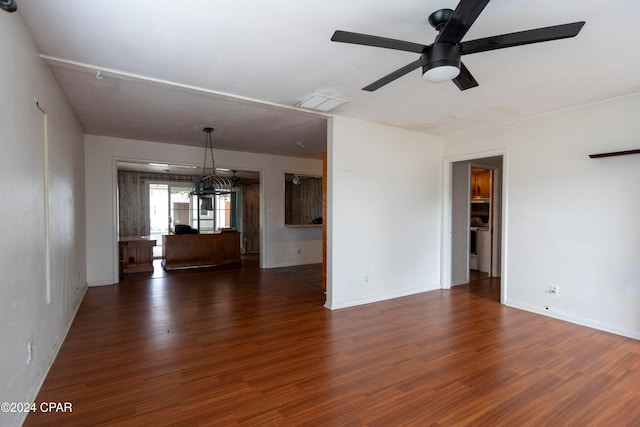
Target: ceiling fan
x=440, y=61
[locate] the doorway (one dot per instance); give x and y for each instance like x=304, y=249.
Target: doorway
x=169, y=204
x=476, y=219
x=152, y=198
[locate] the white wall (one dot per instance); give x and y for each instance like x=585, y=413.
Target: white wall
x=25, y=315
x=384, y=212
x=279, y=244
x=571, y=221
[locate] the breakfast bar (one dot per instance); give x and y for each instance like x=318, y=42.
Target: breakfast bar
x=181, y=251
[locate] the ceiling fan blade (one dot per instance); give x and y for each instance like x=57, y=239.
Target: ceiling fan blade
x=465, y=80
x=375, y=41
x=393, y=76
x=461, y=20
x=520, y=38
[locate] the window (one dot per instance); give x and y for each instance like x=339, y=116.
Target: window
x=208, y=221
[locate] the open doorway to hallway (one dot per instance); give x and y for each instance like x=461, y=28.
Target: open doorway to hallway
x=476, y=220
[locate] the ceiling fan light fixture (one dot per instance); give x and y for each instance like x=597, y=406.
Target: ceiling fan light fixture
x=441, y=73
x=8, y=5
x=441, y=63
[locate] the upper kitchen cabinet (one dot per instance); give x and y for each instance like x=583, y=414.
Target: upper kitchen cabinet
x=480, y=182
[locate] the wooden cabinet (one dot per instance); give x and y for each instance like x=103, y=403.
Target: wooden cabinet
x=480, y=182
x=200, y=250
x=136, y=255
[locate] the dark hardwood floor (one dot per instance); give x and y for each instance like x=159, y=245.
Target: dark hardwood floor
x=245, y=346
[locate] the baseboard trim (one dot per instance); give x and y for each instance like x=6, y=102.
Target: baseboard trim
x=384, y=297
x=35, y=388
x=100, y=283
x=572, y=319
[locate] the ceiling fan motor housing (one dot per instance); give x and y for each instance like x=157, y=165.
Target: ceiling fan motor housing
x=439, y=18
x=440, y=55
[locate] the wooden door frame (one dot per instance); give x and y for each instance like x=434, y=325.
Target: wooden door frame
x=324, y=222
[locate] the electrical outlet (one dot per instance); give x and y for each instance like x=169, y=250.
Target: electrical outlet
x=366, y=278
x=554, y=290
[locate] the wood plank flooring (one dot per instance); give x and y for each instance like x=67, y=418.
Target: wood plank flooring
x=254, y=347
x=308, y=274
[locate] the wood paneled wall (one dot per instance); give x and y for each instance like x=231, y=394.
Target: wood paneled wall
x=303, y=202
x=324, y=221
x=251, y=216
x=133, y=200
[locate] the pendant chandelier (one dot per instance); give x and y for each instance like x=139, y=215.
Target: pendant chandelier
x=210, y=184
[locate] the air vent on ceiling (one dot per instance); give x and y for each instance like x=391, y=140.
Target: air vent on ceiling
x=321, y=102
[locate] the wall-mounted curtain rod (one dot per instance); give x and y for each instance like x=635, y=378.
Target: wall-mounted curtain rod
x=614, y=153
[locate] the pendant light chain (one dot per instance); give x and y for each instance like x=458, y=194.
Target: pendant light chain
x=210, y=145
x=210, y=184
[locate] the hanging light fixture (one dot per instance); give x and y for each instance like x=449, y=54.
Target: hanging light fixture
x=210, y=184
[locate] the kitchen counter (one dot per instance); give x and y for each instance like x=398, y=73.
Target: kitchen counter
x=200, y=250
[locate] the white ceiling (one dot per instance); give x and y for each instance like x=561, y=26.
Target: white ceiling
x=172, y=67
